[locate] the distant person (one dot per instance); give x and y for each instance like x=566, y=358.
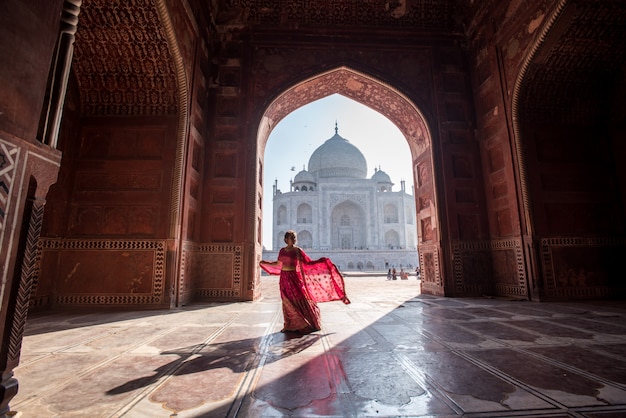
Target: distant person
x=303, y=283
x=389, y=274
x=394, y=274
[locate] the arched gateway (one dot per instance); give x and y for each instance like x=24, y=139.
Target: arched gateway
x=405, y=115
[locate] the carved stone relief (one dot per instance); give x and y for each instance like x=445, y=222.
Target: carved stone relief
x=439, y=14
x=502, y=260
x=118, y=272
x=123, y=64
x=214, y=270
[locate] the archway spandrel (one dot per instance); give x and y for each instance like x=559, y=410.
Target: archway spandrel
x=274, y=67
x=358, y=87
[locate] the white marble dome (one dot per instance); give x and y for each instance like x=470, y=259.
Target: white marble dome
x=381, y=177
x=337, y=157
x=304, y=177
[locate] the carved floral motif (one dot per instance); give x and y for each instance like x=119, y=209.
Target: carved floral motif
x=122, y=61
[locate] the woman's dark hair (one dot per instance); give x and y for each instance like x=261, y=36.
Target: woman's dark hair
x=291, y=234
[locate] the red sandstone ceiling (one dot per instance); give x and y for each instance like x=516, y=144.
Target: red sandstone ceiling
x=414, y=14
x=123, y=66
x=576, y=73
x=121, y=60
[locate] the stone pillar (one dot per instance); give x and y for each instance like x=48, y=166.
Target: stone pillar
x=31, y=177
x=61, y=71
x=17, y=309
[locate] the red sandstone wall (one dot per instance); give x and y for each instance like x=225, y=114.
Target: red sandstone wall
x=500, y=36
x=500, y=40
x=114, y=191
x=28, y=30
x=572, y=190
x=112, y=236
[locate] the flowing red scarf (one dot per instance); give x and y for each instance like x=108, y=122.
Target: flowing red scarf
x=321, y=277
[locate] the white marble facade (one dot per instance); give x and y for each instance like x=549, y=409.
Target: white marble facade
x=359, y=222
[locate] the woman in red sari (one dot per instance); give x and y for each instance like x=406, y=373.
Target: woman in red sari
x=304, y=283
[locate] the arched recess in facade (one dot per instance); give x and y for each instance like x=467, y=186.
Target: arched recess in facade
x=522, y=169
x=564, y=98
x=182, y=139
x=405, y=115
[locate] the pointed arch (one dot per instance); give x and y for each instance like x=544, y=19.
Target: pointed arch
x=402, y=112
x=359, y=87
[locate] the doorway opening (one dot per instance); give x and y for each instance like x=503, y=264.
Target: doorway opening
x=416, y=222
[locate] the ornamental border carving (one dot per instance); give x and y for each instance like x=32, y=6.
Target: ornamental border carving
x=230, y=249
x=9, y=155
x=359, y=198
x=551, y=289
x=435, y=284
x=501, y=289
x=25, y=285
x=121, y=298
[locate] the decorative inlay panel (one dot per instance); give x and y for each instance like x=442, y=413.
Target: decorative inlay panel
x=422, y=174
x=340, y=197
x=503, y=260
x=432, y=281
x=9, y=154
x=114, y=220
x=213, y=270
x=427, y=229
x=424, y=202
x=144, y=260
x=581, y=267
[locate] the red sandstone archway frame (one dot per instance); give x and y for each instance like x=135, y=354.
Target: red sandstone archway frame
x=391, y=103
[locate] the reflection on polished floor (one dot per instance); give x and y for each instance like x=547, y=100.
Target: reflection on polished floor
x=391, y=353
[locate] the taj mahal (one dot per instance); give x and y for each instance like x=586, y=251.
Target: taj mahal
x=361, y=223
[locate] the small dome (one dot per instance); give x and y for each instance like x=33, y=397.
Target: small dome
x=381, y=177
x=337, y=157
x=304, y=177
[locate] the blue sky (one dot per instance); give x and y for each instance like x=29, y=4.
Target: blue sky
x=294, y=139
